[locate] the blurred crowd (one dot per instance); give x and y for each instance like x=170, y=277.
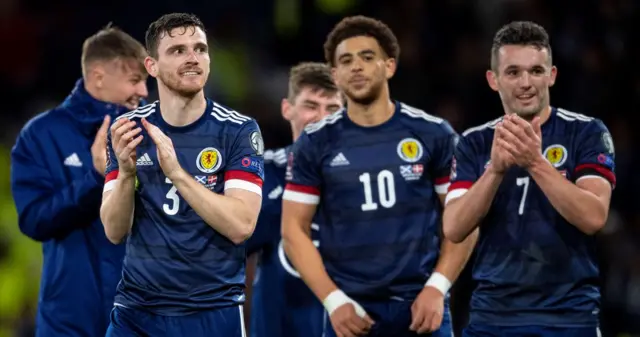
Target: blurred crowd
x=445, y=52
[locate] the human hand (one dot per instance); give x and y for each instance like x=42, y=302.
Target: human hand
x=165, y=151
x=125, y=139
x=99, y=147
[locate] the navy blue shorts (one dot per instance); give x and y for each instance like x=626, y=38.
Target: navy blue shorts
x=227, y=322
x=393, y=318
x=294, y=322
x=483, y=330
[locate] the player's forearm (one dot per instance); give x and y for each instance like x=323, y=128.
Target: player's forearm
x=229, y=216
x=117, y=208
x=462, y=215
x=305, y=257
x=454, y=256
x=580, y=208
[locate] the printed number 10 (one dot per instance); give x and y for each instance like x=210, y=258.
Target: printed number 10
x=386, y=190
x=524, y=181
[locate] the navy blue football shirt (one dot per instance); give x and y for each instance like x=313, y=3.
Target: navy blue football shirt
x=176, y=263
x=282, y=304
x=532, y=266
x=377, y=190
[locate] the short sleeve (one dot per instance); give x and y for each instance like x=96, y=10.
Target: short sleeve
x=303, y=172
x=464, y=169
x=111, y=173
x=245, y=166
x=596, y=153
x=441, y=161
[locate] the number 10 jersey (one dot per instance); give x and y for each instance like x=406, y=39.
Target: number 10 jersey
x=377, y=191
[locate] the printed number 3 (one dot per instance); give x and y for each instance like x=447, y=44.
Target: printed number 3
x=524, y=181
x=173, y=196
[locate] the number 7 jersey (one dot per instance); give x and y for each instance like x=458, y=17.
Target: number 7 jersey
x=176, y=264
x=377, y=192
x=532, y=266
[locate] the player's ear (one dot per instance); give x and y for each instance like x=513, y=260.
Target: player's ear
x=390, y=67
x=151, y=65
x=95, y=74
x=98, y=75
x=285, y=108
x=552, y=76
x=492, y=79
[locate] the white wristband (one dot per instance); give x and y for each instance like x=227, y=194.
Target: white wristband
x=439, y=282
x=337, y=298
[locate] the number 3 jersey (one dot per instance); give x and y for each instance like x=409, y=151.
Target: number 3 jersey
x=532, y=266
x=377, y=190
x=176, y=263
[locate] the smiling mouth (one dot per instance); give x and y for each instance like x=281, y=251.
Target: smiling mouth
x=191, y=73
x=525, y=97
x=133, y=103
x=358, y=81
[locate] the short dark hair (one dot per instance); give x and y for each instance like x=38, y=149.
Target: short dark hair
x=316, y=76
x=361, y=26
x=111, y=43
x=523, y=33
x=165, y=24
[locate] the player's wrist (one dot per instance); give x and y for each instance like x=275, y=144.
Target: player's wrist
x=493, y=170
x=539, y=162
x=440, y=282
x=126, y=175
x=338, y=298
x=177, y=175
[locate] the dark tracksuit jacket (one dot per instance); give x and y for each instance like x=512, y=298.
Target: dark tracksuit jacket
x=57, y=193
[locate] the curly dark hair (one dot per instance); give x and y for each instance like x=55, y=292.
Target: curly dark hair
x=523, y=33
x=361, y=26
x=164, y=25
x=316, y=76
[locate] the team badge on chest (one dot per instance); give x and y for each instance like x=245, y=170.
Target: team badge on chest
x=556, y=154
x=410, y=150
x=209, y=160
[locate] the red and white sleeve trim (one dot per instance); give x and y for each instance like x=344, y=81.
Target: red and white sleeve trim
x=442, y=185
x=243, y=180
x=586, y=171
x=110, y=181
x=457, y=189
x=302, y=194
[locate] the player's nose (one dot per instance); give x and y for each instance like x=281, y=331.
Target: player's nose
x=525, y=80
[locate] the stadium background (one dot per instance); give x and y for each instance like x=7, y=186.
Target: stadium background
x=445, y=51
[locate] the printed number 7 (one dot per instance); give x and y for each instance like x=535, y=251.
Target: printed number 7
x=524, y=181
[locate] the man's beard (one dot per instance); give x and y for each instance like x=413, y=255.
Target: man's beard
x=367, y=98
x=172, y=82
